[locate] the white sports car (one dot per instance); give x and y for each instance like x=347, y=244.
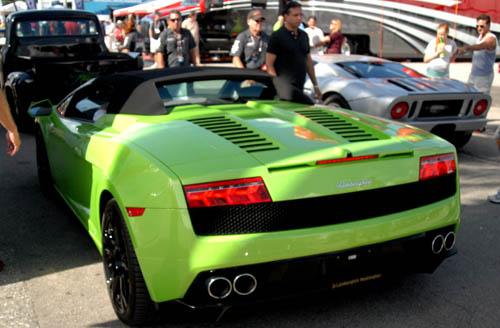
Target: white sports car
x=388, y=89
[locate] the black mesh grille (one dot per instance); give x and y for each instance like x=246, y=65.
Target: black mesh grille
x=338, y=125
x=320, y=211
x=440, y=108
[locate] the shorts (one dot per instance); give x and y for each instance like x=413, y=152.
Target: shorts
x=482, y=83
x=437, y=74
x=154, y=45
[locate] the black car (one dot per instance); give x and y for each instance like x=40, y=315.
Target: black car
x=48, y=53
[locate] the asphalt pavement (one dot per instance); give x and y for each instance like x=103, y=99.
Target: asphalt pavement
x=52, y=275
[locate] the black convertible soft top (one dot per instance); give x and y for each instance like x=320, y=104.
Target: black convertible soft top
x=136, y=92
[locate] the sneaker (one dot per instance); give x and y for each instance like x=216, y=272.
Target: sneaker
x=495, y=198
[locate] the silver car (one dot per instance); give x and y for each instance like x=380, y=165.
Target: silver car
x=384, y=88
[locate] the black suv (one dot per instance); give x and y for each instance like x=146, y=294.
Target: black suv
x=48, y=53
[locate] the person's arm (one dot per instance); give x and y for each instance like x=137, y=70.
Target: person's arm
x=161, y=59
x=312, y=76
x=488, y=43
x=325, y=40
x=237, y=62
x=195, y=54
x=431, y=52
x=237, y=51
x=12, y=135
x=161, y=50
x=454, y=52
x=193, y=50
x=270, y=59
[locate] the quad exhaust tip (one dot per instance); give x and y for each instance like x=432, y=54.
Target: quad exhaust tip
x=244, y=284
x=437, y=244
x=449, y=240
x=440, y=243
x=219, y=287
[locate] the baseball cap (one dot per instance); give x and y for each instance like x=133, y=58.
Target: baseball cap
x=255, y=14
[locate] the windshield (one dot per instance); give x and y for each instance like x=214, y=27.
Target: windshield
x=44, y=28
x=212, y=92
x=378, y=69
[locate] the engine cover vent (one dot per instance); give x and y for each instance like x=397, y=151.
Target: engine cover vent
x=337, y=124
x=236, y=132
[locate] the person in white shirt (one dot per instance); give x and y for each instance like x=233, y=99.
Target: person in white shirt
x=191, y=24
x=482, y=72
x=440, y=52
x=484, y=55
x=315, y=35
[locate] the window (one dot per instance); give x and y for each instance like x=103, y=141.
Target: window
x=212, y=92
x=378, y=69
x=89, y=103
x=44, y=28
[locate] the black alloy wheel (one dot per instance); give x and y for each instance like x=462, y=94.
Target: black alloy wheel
x=336, y=101
x=126, y=287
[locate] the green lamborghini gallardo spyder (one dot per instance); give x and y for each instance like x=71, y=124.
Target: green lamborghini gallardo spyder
x=199, y=186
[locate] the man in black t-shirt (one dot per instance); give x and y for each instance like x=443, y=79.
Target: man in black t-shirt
x=288, y=57
x=177, y=45
x=249, y=48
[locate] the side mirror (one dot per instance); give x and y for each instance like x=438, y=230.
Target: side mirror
x=40, y=108
x=39, y=111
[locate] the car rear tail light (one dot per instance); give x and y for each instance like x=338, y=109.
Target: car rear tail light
x=399, y=110
x=480, y=107
x=438, y=165
x=232, y=192
x=135, y=211
x=347, y=159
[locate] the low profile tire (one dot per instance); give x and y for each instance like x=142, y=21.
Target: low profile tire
x=460, y=138
x=42, y=164
x=337, y=101
x=24, y=122
x=126, y=287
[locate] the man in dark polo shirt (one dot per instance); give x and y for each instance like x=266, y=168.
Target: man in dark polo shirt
x=177, y=45
x=249, y=48
x=288, y=57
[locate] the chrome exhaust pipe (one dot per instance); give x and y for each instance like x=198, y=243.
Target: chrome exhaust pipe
x=449, y=240
x=219, y=287
x=244, y=284
x=437, y=244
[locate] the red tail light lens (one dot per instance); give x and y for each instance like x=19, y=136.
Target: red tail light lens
x=435, y=166
x=231, y=192
x=480, y=107
x=135, y=211
x=399, y=110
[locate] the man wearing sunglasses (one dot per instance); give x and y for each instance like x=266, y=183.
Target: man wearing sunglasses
x=177, y=46
x=484, y=54
x=249, y=48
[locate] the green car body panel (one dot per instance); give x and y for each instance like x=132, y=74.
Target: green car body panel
x=144, y=161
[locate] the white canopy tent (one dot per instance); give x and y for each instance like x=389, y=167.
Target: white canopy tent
x=146, y=8
x=13, y=6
